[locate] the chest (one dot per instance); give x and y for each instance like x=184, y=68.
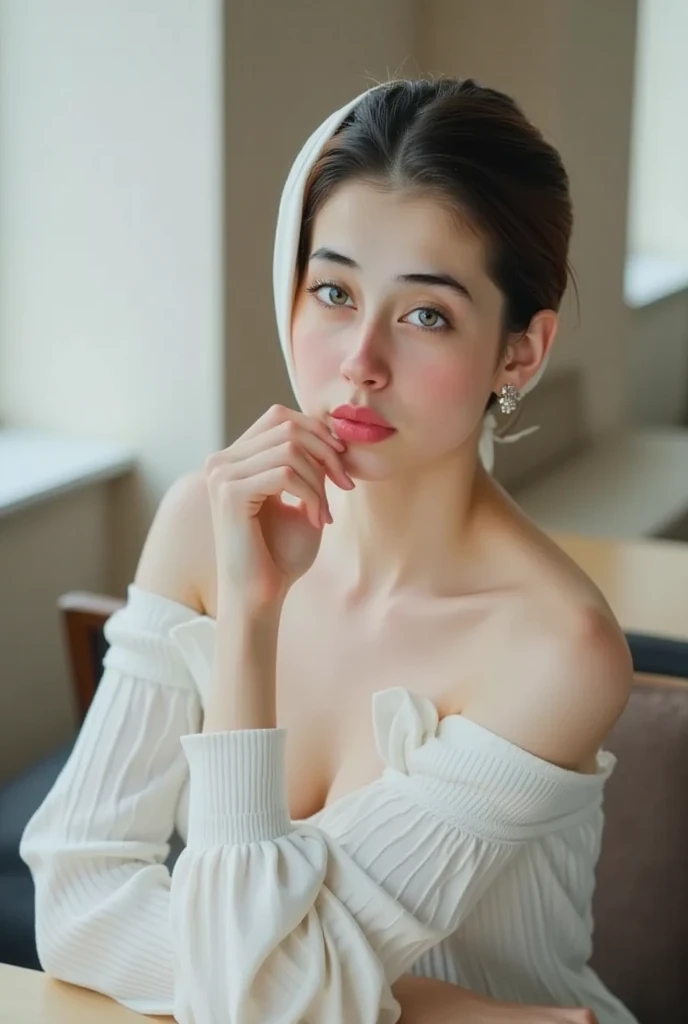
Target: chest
x=328, y=669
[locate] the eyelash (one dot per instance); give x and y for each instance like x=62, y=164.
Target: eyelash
x=317, y=285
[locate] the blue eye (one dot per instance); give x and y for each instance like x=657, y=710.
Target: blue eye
x=331, y=295
x=430, y=319
x=333, y=292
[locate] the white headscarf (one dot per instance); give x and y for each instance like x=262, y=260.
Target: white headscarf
x=285, y=265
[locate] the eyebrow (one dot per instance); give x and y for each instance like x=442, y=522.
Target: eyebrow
x=444, y=280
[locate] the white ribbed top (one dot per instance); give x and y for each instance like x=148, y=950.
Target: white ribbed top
x=469, y=859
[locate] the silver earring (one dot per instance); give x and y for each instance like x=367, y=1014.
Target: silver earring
x=509, y=398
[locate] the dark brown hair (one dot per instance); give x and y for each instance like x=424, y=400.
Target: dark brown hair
x=474, y=150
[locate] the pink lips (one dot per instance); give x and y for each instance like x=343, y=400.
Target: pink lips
x=355, y=423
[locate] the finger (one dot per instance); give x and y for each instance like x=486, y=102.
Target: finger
x=291, y=431
x=289, y=456
x=286, y=454
x=319, y=470
x=252, y=491
x=237, y=464
x=278, y=414
x=249, y=495
x=331, y=460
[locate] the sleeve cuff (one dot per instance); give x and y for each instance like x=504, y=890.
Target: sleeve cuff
x=237, y=790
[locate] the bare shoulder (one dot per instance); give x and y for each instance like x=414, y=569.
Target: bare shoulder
x=578, y=679
x=570, y=665
x=178, y=556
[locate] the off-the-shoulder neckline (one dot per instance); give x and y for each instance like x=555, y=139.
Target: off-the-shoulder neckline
x=605, y=759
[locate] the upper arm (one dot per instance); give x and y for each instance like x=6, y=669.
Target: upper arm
x=571, y=683
x=178, y=556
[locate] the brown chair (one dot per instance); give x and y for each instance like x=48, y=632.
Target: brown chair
x=83, y=617
x=641, y=902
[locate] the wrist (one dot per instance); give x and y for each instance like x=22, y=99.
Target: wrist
x=243, y=685
x=235, y=607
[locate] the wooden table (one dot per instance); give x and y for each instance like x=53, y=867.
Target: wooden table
x=31, y=997
x=644, y=581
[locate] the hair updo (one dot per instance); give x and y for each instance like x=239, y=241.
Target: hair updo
x=473, y=150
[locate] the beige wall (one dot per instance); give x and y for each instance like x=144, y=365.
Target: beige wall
x=45, y=550
x=111, y=240
x=287, y=66
x=658, y=364
x=570, y=65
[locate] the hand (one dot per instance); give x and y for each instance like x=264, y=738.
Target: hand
x=263, y=545
x=577, y=1016
x=556, y=1015
x=430, y=1001
x=509, y=1013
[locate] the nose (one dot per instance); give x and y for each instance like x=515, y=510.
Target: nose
x=364, y=365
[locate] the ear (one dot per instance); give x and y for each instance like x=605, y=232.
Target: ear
x=526, y=352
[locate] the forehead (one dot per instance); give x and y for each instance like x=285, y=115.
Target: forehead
x=372, y=223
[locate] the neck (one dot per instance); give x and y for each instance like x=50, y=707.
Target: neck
x=408, y=532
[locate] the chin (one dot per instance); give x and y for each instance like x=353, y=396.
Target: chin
x=363, y=462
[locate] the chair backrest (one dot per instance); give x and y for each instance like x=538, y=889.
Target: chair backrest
x=659, y=655
x=83, y=617
x=641, y=899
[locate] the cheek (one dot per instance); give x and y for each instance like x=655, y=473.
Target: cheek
x=315, y=363
x=450, y=390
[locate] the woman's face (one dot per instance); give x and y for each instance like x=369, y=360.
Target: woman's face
x=396, y=312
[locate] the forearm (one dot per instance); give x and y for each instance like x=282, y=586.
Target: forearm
x=429, y=1001
x=243, y=686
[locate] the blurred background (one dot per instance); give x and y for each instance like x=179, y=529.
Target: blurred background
x=143, y=148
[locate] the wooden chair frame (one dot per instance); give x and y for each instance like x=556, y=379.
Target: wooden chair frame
x=82, y=614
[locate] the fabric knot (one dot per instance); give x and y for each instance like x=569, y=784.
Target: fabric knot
x=403, y=722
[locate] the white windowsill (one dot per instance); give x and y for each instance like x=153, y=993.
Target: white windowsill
x=36, y=465
x=648, y=279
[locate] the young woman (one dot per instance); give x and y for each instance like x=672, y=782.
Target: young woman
x=374, y=708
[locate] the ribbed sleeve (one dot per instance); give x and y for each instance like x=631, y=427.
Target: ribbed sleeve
x=96, y=847
x=268, y=920
x=238, y=792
